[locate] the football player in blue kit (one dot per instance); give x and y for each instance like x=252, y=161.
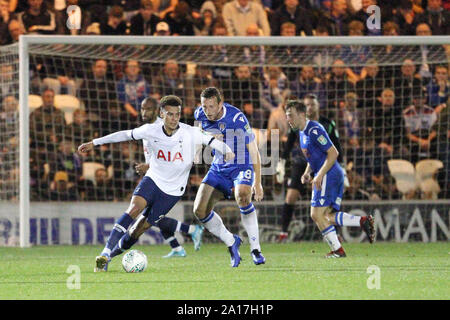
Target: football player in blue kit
x=243, y=174
x=327, y=180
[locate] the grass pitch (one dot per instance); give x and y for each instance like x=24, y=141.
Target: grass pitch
x=292, y=271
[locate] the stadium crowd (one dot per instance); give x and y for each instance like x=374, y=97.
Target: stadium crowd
x=389, y=102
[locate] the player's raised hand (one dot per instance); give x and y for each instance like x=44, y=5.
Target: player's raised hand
x=258, y=191
x=306, y=178
x=86, y=147
x=229, y=156
x=141, y=168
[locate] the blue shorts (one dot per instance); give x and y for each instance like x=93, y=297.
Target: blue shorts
x=225, y=179
x=158, y=203
x=332, y=190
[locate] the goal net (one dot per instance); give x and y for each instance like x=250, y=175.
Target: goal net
x=387, y=97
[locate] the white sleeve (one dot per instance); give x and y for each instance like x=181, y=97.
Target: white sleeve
x=207, y=139
x=220, y=146
x=119, y=136
x=125, y=135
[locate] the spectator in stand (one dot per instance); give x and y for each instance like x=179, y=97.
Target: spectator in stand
x=337, y=19
x=355, y=55
x=426, y=53
x=252, y=54
x=8, y=81
x=14, y=30
x=9, y=119
x=170, y=80
x=104, y=189
x=117, y=119
x=292, y=12
x=384, y=121
x=203, y=25
x=362, y=16
x=370, y=85
x=337, y=85
x=162, y=29
x=163, y=7
x=144, y=23
x=239, y=14
x=404, y=17
x=439, y=88
x=115, y=24
x=61, y=189
x=97, y=90
x=350, y=118
x=308, y=83
x=81, y=129
x=245, y=96
x=47, y=123
x=37, y=18
x=4, y=21
x=202, y=79
x=180, y=20
x=274, y=87
x=68, y=160
x=420, y=127
x=406, y=83
x=130, y=7
x=278, y=121
x=436, y=17
x=132, y=89
x=62, y=17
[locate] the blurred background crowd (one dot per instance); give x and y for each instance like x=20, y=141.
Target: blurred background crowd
x=388, y=102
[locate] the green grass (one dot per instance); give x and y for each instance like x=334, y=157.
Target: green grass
x=292, y=271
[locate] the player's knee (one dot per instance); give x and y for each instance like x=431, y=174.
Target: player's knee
x=199, y=211
x=315, y=216
x=243, y=198
x=136, y=207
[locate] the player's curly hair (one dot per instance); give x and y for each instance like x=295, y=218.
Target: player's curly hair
x=170, y=100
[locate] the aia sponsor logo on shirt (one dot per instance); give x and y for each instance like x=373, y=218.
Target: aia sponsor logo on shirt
x=169, y=157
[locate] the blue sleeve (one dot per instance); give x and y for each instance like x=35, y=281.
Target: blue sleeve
x=320, y=138
x=241, y=122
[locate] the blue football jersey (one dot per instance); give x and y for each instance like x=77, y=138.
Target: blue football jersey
x=315, y=143
x=236, y=132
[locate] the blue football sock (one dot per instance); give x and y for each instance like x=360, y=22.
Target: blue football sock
x=125, y=243
x=119, y=229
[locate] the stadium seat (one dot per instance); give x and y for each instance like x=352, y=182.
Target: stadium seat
x=68, y=104
x=89, y=169
x=34, y=101
x=404, y=174
x=425, y=175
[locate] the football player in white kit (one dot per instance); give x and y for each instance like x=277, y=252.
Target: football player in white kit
x=150, y=114
x=172, y=147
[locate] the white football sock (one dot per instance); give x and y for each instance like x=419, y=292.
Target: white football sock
x=250, y=222
x=214, y=224
x=347, y=220
x=330, y=235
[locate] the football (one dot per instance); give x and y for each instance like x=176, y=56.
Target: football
x=134, y=261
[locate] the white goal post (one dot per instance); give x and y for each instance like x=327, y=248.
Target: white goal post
x=24, y=75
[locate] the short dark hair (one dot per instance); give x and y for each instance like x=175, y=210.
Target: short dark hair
x=170, y=100
x=211, y=92
x=150, y=101
x=296, y=104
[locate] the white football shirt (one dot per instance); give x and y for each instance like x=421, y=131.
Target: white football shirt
x=171, y=157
